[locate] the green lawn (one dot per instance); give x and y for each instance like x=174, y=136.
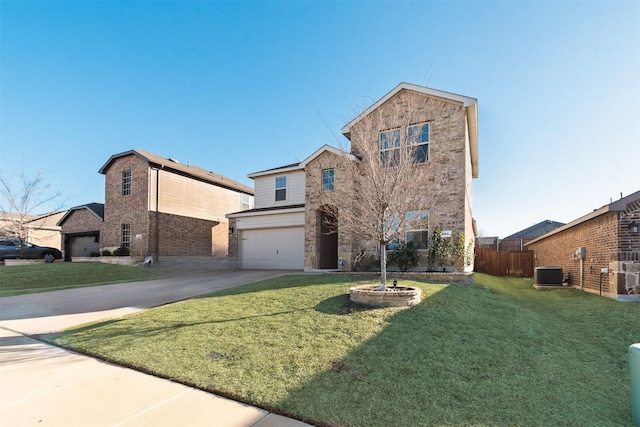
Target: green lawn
x=495, y=354
x=28, y=279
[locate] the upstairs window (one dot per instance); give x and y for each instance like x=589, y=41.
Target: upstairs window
x=126, y=183
x=247, y=202
x=390, y=148
x=281, y=188
x=328, y=180
x=418, y=142
x=125, y=236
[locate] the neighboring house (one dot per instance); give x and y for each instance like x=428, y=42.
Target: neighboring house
x=607, y=238
x=41, y=230
x=516, y=241
x=286, y=230
x=160, y=207
x=81, y=229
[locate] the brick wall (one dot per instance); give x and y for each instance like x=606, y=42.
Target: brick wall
x=131, y=209
x=629, y=242
x=315, y=198
x=598, y=235
x=180, y=235
x=81, y=220
x=445, y=185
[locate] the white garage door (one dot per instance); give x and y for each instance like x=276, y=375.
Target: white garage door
x=273, y=249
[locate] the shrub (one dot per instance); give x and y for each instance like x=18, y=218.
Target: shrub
x=404, y=256
x=94, y=254
x=121, y=251
x=106, y=252
x=363, y=261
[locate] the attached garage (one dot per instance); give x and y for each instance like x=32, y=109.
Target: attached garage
x=83, y=246
x=272, y=248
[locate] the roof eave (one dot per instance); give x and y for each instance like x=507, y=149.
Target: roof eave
x=617, y=206
x=465, y=100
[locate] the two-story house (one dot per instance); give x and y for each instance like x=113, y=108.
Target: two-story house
x=287, y=230
x=157, y=206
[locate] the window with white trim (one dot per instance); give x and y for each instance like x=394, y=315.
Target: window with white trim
x=389, y=147
x=281, y=188
x=126, y=183
x=328, y=179
x=418, y=142
x=247, y=202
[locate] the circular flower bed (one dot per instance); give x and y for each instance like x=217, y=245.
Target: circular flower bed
x=371, y=295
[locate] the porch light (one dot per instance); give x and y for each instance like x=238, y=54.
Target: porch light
x=634, y=227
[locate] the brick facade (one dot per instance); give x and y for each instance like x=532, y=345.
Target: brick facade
x=130, y=209
x=445, y=186
x=600, y=238
x=179, y=235
x=314, y=200
x=80, y=221
x=608, y=242
x=173, y=210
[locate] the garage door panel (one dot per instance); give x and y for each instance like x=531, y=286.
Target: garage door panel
x=275, y=248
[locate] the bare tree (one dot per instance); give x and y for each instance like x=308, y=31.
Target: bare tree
x=21, y=202
x=386, y=190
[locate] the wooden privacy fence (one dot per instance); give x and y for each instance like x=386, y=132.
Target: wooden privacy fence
x=498, y=263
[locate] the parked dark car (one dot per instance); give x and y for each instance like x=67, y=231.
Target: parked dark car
x=11, y=248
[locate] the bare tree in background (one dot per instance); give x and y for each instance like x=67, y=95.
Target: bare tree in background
x=21, y=202
x=386, y=190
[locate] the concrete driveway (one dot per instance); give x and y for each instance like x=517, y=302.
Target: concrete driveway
x=45, y=385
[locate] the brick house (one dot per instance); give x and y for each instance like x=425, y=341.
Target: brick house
x=161, y=207
x=285, y=230
x=609, y=238
x=81, y=228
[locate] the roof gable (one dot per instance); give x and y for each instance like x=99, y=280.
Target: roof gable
x=97, y=209
x=303, y=164
x=327, y=149
x=470, y=104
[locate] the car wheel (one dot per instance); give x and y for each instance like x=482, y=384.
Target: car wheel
x=48, y=257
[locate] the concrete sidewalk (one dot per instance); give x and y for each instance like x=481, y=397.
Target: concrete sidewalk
x=43, y=385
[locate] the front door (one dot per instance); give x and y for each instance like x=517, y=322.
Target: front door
x=328, y=245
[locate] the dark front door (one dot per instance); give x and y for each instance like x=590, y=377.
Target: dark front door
x=328, y=246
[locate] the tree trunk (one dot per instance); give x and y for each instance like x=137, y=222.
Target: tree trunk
x=383, y=266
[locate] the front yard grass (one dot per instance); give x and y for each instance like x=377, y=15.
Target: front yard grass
x=28, y=279
x=498, y=353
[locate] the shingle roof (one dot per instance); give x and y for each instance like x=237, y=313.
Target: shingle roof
x=536, y=230
x=181, y=169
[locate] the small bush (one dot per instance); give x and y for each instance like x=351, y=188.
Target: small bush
x=404, y=256
x=106, y=252
x=365, y=262
x=94, y=254
x=121, y=251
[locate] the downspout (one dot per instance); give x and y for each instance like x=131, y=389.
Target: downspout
x=158, y=212
x=581, y=271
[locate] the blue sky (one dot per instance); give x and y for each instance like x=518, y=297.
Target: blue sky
x=239, y=87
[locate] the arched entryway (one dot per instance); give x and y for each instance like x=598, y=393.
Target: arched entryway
x=328, y=241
